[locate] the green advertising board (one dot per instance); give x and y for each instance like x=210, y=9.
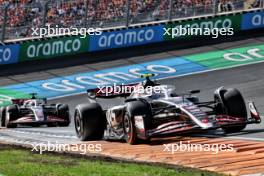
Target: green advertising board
x=6, y=95
x=51, y=48
x=219, y=22
x=229, y=58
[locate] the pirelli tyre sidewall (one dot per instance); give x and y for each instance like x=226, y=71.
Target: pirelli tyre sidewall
x=63, y=112
x=89, y=121
x=134, y=108
x=235, y=106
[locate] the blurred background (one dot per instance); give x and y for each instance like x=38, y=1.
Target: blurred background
x=17, y=17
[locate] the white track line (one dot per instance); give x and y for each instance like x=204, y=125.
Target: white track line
x=169, y=77
x=43, y=134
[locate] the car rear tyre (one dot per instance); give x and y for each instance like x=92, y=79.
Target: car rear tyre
x=235, y=106
x=90, y=122
x=136, y=108
x=129, y=130
x=63, y=112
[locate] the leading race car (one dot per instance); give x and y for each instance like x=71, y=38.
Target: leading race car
x=34, y=112
x=146, y=113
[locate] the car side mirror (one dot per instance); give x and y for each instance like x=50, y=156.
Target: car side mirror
x=194, y=91
x=91, y=94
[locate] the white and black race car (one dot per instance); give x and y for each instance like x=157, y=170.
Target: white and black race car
x=34, y=112
x=148, y=113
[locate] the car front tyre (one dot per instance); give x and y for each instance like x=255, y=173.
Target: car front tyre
x=236, y=107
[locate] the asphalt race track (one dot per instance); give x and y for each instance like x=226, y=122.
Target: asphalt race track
x=248, y=79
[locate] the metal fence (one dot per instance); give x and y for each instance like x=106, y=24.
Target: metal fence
x=17, y=19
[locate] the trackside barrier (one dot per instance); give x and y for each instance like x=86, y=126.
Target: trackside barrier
x=52, y=48
x=48, y=48
x=126, y=38
x=9, y=54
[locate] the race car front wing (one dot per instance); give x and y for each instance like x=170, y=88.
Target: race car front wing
x=180, y=127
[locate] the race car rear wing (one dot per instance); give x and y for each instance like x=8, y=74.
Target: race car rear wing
x=109, y=92
x=119, y=90
x=18, y=101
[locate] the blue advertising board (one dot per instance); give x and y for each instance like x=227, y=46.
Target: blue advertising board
x=127, y=37
x=79, y=83
x=9, y=54
x=252, y=20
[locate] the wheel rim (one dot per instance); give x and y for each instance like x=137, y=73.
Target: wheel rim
x=127, y=127
x=78, y=125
